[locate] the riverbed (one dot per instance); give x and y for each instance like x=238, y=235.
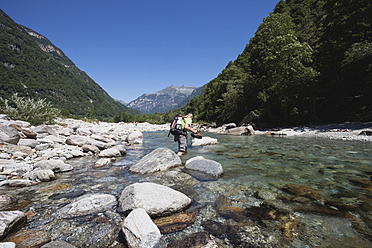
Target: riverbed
x=275, y=192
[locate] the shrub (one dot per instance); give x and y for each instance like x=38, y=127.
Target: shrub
x=27, y=109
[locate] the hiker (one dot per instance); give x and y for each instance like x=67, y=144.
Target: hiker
x=182, y=138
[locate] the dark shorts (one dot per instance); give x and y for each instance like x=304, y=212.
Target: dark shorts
x=182, y=143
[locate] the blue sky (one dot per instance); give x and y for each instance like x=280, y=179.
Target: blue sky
x=142, y=46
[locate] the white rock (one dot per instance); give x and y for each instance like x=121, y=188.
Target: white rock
x=206, y=166
x=88, y=204
x=158, y=160
x=156, y=199
x=204, y=141
x=140, y=231
x=11, y=221
x=111, y=152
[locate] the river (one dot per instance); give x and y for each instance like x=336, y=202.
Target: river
x=275, y=192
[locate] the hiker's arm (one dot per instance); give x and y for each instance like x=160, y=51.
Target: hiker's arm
x=188, y=128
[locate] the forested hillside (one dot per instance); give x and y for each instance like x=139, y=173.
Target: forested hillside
x=310, y=61
x=32, y=66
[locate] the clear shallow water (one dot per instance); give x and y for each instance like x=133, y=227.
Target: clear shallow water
x=275, y=192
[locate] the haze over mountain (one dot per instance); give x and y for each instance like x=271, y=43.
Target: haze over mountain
x=32, y=66
x=170, y=98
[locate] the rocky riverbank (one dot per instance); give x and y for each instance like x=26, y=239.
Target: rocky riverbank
x=342, y=131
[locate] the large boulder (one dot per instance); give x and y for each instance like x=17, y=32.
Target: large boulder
x=11, y=221
x=207, y=166
x=135, y=137
x=77, y=140
x=88, y=204
x=39, y=175
x=244, y=130
x=54, y=165
x=157, y=200
x=158, y=160
x=140, y=231
x=205, y=141
x=9, y=135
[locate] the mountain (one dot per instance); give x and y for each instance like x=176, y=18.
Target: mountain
x=309, y=62
x=32, y=66
x=167, y=99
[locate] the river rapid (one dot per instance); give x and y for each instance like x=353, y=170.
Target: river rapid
x=275, y=192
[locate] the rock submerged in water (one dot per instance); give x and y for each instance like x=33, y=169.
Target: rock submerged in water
x=158, y=160
x=156, y=199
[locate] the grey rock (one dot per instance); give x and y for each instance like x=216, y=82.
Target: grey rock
x=28, y=142
x=88, y=204
x=102, y=162
x=160, y=159
x=11, y=221
x=39, y=175
x=17, y=183
x=203, y=165
x=156, y=199
x=134, y=136
x=204, y=141
x=77, y=140
x=44, y=129
x=140, y=231
x=11, y=148
x=83, y=131
x=65, y=131
x=9, y=135
x=90, y=148
x=111, y=152
x=54, y=165
x=238, y=131
x=101, y=145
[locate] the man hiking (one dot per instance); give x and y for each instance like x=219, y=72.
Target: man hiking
x=182, y=138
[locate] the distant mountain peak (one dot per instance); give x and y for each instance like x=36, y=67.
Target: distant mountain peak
x=169, y=98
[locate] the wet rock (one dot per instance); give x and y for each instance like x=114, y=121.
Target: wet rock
x=366, y=132
x=110, y=152
x=140, y=231
x=158, y=160
x=68, y=195
x=17, y=183
x=195, y=240
x=30, y=238
x=225, y=208
x=11, y=221
x=7, y=202
x=39, y=175
x=54, y=165
x=156, y=199
x=102, y=162
x=206, y=166
x=88, y=204
x=9, y=135
x=135, y=137
x=58, y=244
x=90, y=148
x=175, y=222
x=303, y=190
x=204, y=141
